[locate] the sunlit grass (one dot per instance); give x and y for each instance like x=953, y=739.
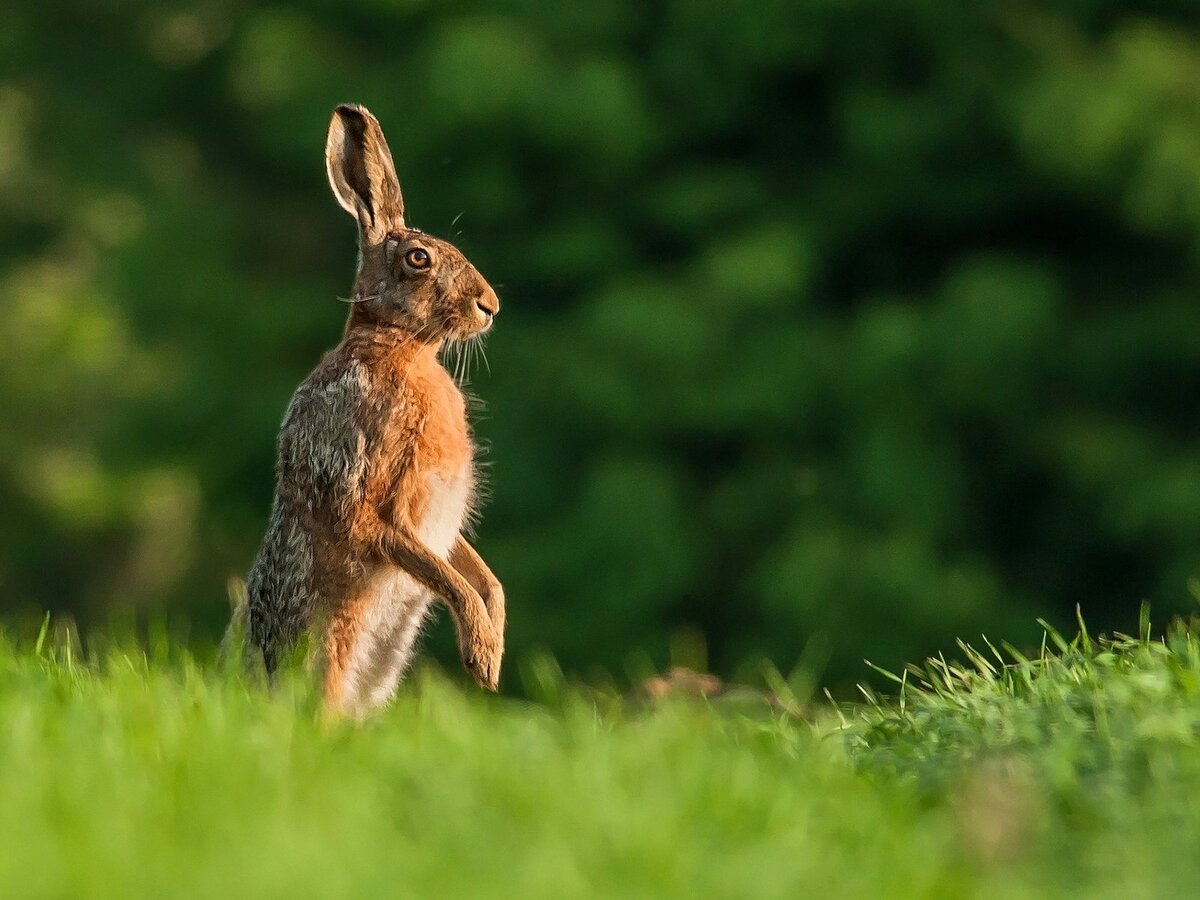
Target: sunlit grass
x=1073, y=773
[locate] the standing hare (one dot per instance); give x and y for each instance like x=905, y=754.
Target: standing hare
x=376, y=475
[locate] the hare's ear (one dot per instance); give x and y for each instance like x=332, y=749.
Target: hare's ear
x=361, y=172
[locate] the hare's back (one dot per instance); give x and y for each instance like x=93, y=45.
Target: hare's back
x=323, y=440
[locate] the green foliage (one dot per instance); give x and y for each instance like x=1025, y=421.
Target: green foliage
x=867, y=321
x=1072, y=774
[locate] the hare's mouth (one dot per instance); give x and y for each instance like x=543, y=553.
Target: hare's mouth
x=474, y=332
x=469, y=331
x=481, y=320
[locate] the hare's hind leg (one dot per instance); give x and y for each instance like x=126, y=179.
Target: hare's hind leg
x=344, y=635
x=369, y=642
x=398, y=653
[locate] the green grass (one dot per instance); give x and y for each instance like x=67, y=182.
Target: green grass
x=1076, y=773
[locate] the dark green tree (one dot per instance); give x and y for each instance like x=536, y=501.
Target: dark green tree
x=872, y=321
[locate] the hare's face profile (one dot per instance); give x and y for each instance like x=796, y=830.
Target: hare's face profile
x=406, y=278
x=425, y=286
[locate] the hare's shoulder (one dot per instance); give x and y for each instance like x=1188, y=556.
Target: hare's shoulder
x=332, y=398
x=323, y=438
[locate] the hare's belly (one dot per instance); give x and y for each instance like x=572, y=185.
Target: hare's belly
x=447, y=510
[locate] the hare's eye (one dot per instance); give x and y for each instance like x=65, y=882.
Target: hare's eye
x=417, y=258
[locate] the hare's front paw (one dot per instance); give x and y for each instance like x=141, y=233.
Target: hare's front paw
x=495, y=608
x=482, y=649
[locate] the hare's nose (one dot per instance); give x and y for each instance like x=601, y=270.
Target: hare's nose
x=488, y=303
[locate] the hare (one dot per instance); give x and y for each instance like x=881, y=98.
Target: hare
x=376, y=476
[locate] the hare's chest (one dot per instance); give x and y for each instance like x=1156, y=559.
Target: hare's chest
x=448, y=497
x=430, y=467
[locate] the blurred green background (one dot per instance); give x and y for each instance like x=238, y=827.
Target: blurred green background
x=851, y=324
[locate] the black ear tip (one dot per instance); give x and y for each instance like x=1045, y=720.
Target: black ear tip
x=351, y=110
x=354, y=119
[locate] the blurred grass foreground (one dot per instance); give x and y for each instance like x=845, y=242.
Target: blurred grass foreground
x=869, y=322
x=1073, y=773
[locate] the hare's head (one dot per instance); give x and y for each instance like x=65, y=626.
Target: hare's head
x=406, y=278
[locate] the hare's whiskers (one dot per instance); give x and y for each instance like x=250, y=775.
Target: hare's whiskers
x=460, y=359
x=483, y=353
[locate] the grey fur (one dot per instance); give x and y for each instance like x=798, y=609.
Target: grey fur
x=321, y=469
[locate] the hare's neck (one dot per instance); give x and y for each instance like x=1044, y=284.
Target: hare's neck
x=391, y=346
x=411, y=354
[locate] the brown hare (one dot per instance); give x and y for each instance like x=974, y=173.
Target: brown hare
x=376, y=475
